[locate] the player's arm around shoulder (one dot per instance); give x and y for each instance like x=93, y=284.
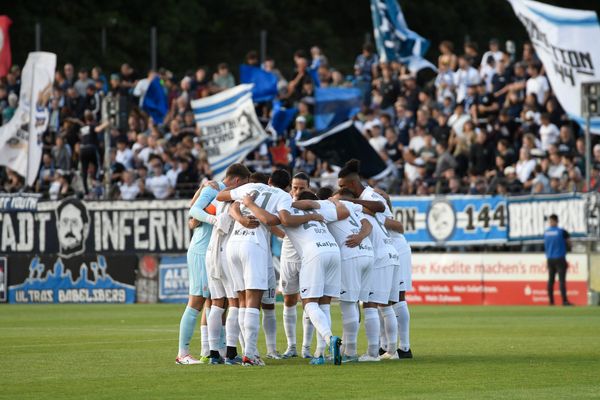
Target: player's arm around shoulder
x=262, y=215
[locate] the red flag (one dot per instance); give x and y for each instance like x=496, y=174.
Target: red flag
x=5, y=57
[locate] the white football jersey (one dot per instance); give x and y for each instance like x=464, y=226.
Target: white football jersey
x=313, y=238
x=350, y=226
x=222, y=207
x=399, y=240
x=270, y=199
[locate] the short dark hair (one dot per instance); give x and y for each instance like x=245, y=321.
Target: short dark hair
x=325, y=192
x=280, y=178
x=345, y=192
x=307, y=195
x=77, y=204
x=302, y=176
x=238, y=170
x=352, y=167
x=259, y=177
x=553, y=217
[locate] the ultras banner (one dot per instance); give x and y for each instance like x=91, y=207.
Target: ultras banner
x=72, y=227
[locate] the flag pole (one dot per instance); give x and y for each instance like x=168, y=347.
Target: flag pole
x=31, y=127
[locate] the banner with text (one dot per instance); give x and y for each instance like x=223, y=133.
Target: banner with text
x=528, y=215
x=452, y=220
x=86, y=278
x=492, y=279
x=229, y=127
x=173, y=282
x=566, y=41
x=71, y=227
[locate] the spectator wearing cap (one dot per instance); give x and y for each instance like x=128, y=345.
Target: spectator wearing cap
x=83, y=82
x=512, y=183
x=92, y=101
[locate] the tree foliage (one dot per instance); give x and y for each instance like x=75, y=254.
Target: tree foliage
x=192, y=33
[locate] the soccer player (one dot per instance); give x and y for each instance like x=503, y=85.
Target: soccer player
x=385, y=273
x=290, y=263
x=248, y=251
x=198, y=288
x=352, y=236
x=219, y=277
x=320, y=271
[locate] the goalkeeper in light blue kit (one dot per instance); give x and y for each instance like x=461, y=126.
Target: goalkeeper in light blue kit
x=196, y=258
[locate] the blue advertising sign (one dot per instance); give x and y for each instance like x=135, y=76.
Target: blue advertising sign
x=85, y=279
x=452, y=220
x=173, y=282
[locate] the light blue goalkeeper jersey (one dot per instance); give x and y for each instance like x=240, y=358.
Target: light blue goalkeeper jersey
x=201, y=236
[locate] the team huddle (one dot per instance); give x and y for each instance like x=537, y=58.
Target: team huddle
x=342, y=245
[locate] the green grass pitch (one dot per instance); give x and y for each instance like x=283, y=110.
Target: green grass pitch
x=127, y=352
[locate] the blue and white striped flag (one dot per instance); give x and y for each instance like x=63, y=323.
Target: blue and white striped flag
x=395, y=42
x=229, y=127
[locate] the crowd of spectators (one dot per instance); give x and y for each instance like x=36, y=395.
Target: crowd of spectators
x=483, y=124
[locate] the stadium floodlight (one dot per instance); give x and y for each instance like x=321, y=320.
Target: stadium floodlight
x=590, y=107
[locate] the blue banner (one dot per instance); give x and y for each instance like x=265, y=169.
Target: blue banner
x=173, y=282
x=452, y=220
x=265, y=83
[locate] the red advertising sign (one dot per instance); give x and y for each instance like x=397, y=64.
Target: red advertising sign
x=492, y=279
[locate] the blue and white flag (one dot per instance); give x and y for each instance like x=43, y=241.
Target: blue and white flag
x=395, y=42
x=229, y=127
x=335, y=105
x=567, y=42
x=155, y=101
x=265, y=83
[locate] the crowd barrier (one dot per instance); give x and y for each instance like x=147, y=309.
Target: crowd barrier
x=74, y=251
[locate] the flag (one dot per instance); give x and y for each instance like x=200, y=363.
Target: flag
x=566, y=41
x=265, y=83
x=5, y=56
x=343, y=143
x=394, y=40
x=229, y=127
x=155, y=101
x=21, y=137
x=281, y=118
x=334, y=106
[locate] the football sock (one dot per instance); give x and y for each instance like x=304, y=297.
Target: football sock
x=319, y=320
x=251, y=328
x=307, y=330
x=350, y=321
x=241, y=318
x=269, y=322
x=326, y=308
x=403, y=318
x=232, y=327
x=214, y=327
x=390, y=328
x=187, y=325
x=205, y=348
x=372, y=331
x=289, y=324
x=382, y=338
